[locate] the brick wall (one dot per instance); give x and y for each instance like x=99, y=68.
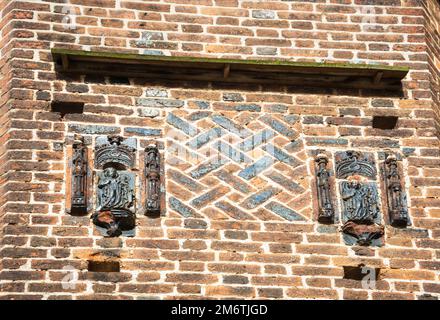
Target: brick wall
x=5, y=103
x=432, y=18
x=230, y=230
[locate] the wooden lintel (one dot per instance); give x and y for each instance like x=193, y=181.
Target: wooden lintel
x=65, y=62
x=294, y=73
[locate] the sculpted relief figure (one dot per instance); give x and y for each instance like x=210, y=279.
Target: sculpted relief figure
x=115, y=190
x=152, y=172
x=360, y=212
x=115, y=202
x=360, y=201
x=79, y=175
x=326, y=211
x=396, y=197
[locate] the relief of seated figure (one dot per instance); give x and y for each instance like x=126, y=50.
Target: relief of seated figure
x=115, y=202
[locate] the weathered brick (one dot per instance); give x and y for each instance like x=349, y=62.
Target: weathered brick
x=241, y=224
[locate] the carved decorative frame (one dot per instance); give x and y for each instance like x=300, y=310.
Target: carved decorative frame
x=361, y=208
x=349, y=163
x=108, y=175
x=115, y=152
x=359, y=201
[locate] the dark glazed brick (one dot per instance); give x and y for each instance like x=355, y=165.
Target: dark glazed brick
x=93, y=129
x=235, y=279
x=181, y=208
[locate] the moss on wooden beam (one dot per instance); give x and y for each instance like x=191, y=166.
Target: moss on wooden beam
x=142, y=57
x=229, y=70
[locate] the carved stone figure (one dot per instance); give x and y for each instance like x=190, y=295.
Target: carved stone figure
x=326, y=211
x=349, y=163
x=360, y=212
x=359, y=201
x=396, y=198
x=79, y=172
x=115, y=211
x=115, y=201
x=152, y=173
x=114, y=191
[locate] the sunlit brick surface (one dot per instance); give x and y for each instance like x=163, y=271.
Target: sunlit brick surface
x=240, y=218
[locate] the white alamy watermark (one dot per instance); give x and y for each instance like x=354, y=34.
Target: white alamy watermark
x=368, y=18
x=70, y=280
x=146, y=39
x=215, y=147
x=69, y=19
x=369, y=280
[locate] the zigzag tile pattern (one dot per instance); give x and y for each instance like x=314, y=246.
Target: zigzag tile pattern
x=240, y=166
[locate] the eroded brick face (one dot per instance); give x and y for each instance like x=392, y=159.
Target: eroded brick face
x=244, y=224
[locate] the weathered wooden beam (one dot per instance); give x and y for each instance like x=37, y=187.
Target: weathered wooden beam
x=65, y=62
x=219, y=70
